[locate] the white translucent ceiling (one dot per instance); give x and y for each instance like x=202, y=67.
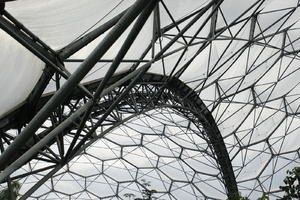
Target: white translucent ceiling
x=58, y=23
x=19, y=72
x=252, y=89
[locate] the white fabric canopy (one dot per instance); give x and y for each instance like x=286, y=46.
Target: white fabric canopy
x=19, y=72
x=58, y=23
x=252, y=91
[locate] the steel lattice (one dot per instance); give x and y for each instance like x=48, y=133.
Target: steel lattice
x=208, y=109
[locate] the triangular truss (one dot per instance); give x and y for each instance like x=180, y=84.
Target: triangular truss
x=210, y=108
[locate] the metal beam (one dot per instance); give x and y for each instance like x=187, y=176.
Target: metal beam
x=76, y=45
x=193, y=108
x=175, y=23
x=35, y=45
x=180, y=21
x=2, y=7
x=41, y=182
x=29, y=42
x=190, y=24
x=20, y=26
x=159, y=55
x=121, y=54
x=110, y=60
x=31, y=108
x=66, y=123
x=214, y=18
x=73, y=81
x=110, y=109
x=217, y=33
x=60, y=166
x=252, y=27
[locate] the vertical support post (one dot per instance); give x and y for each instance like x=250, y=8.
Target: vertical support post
x=283, y=42
x=214, y=18
x=252, y=27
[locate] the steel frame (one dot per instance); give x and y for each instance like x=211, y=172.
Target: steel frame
x=134, y=98
x=104, y=101
x=75, y=78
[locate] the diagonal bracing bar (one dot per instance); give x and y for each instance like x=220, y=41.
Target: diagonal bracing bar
x=122, y=52
x=73, y=81
x=76, y=45
x=29, y=41
x=33, y=150
x=193, y=108
x=36, y=46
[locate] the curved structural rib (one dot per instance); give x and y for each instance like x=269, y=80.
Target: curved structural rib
x=151, y=92
x=195, y=110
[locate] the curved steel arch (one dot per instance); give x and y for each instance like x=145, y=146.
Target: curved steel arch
x=64, y=123
x=148, y=93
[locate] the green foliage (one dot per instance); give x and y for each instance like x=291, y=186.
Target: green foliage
x=263, y=197
x=291, y=189
x=5, y=194
x=129, y=195
x=238, y=196
x=292, y=185
x=147, y=194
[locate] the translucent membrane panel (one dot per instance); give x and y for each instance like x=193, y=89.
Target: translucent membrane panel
x=159, y=150
x=59, y=22
x=246, y=73
x=19, y=72
x=136, y=50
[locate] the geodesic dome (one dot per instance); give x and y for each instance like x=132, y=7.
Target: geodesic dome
x=195, y=99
